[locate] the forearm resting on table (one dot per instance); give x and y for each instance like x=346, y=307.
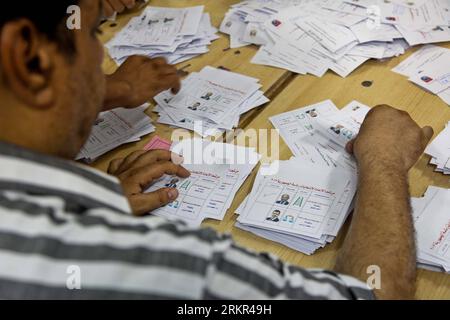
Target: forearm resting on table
x=382, y=232
x=116, y=93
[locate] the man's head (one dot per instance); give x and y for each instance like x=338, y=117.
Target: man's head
x=285, y=197
x=276, y=214
x=51, y=82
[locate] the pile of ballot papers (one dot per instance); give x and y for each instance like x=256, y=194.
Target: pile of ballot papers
x=177, y=34
x=320, y=132
x=432, y=223
x=429, y=68
x=114, y=128
x=313, y=36
x=218, y=171
x=305, y=211
x=439, y=150
x=210, y=101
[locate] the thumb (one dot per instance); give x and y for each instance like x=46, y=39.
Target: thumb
x=114, y=165
x=144, y=203
x=349, y=146
x=428, y=134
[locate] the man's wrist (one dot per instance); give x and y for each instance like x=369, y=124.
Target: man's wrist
x=384, y=162
x=117, y=92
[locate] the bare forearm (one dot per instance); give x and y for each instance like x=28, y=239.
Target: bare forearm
x=382, y=233
x=116, y=93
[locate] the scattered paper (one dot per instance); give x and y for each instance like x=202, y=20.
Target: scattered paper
x=115, y=128
x=177, y=34
x=314, y=36
x=210, y=101
x=429, y=68
x=319, y=132
x=213, y=183
x=432, y=224
x=439, y=150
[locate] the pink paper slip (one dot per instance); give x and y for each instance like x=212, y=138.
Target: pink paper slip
x=158, y=143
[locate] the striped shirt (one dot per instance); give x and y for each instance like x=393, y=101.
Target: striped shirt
x=66, y=232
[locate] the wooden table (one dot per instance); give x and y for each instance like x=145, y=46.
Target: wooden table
x=220, y=55
x=289, y=92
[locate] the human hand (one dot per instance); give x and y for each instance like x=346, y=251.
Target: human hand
x=139, y=170
x=390, y=136
x=138, y=80
x=112, y=6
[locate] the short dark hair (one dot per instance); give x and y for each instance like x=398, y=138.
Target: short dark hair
x=48, y=17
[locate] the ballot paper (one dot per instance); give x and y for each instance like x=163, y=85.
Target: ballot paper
x=314, y=36
x=434, y=78
x=115, y=128
x=347, y=64
x=429, y=68
x=213, y=98
x=432, y=224
x=319, y=132
x=343, y=126
x=344, y=7
x=445, y=96
x=330, y=35
x=410, y=3
x=177, y=34
x=439, y=150
x=428, y=15
x=210, y=189
x=368, y=50
x=364, y=32
x=435, y=35
x=210, y=101
x=304, y=211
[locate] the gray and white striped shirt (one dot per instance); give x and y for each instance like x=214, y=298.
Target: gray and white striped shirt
x=56, y=215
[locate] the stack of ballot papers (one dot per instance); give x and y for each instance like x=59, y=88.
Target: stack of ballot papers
x=429, y=68
x=313, y=36
x=319, y=133
x=210, y=101
x=218, y=171
x=114, y=128
x=303, y=211
x=306, y=210
x=432, y=223
x=177, y=34
x=439, y=150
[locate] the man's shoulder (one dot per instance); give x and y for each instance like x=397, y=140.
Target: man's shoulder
x=42, y=175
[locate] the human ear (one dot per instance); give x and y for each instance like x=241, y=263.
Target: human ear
x=26, y=63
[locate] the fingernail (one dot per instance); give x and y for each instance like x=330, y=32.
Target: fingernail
x=177, y=159
x=173, y=194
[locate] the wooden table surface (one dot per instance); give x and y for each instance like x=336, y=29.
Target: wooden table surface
x=288, y=92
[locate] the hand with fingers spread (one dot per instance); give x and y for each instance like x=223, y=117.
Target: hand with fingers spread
x=112, y=6
x=138, y=80
x=139, y=170
x=389, y=135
